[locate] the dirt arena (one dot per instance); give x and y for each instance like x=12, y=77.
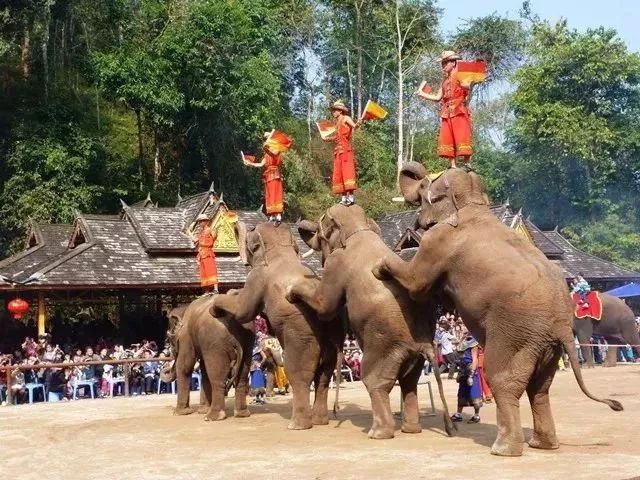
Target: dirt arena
x=139, y=438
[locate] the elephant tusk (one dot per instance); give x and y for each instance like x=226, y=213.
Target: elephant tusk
x=429, y=197
x=308, y=253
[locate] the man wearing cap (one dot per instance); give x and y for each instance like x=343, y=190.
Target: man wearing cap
x=344, y=179
x=206, y=257
x=455, y=127
x=272, y=180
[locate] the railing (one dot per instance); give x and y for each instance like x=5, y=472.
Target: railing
x=127, y=362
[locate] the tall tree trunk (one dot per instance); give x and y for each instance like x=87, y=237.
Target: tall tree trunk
x=400, y=152
x=350, y=81
x=25, y=53
x=157, y=167
x=140, y=149
x=45, y=49
x=359, y=48
x=310, y=109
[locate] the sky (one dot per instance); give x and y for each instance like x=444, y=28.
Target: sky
x=622, y=15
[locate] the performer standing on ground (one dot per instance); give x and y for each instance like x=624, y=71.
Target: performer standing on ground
x=344, y=179
x=272, y=180
x=206, y=256
x=455, y=127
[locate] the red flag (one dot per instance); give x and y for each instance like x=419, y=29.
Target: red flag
x=326, y=128
x=424, y=88
x=373, y=111
x=248, y=158
x=472, y=72
x=278, y=141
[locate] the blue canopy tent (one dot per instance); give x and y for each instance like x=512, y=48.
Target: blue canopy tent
x=630, y=290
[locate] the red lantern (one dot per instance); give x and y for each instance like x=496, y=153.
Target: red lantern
x=18, y=307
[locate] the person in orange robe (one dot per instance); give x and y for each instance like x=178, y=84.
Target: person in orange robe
x=272, y=180
x=486, y=391
x=206, y=256
x=455, y=118
x=344, y=180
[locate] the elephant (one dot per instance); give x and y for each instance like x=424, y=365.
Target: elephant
x=394, y=332
x=310, y=347
x=617, y=325
x=513, y=300
x=224, y=348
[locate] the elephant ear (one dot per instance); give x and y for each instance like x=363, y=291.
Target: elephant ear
x=479, y=193
x=373, y=226
x=255, y=248
x=241, y=232
x=411, y=177
x=293, y=242
x=309, y=233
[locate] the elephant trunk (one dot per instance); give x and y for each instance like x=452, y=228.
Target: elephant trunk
x=565, y=337
x=236, y=363
x=429, y=352
x=168, y=372
x=338, y=375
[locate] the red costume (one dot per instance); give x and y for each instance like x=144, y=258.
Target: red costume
x=272, y=179
x=455, y=127
x=207, y=258
x=486, y=391
x=344, y=166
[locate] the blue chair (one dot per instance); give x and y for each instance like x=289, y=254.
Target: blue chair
x=36, y=386
x=84, y=383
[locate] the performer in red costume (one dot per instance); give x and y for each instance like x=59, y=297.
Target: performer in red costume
x=206, y=256
x=272, y=180
x=455, y=127
x=344, y=179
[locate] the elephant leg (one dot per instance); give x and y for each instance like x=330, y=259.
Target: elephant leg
x=184, y=368
x=205, y=390
x=299, y=368
x=544, y=430
x=217, y=369
x=242, y=388
x=321, y=398
x=379, y=378
x=508, y=373
x=611, y=360
x=409, y=388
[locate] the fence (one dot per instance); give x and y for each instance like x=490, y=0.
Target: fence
x=9, y=369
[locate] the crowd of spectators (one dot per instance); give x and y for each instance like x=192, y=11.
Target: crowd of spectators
x=59, y=382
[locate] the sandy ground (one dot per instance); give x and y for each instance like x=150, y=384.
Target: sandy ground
x=139, y=438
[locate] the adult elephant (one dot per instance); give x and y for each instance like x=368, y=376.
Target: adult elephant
x=394, y=332
x=310, y=347
x=224, y=348
x=511, y=297
x=617, y=325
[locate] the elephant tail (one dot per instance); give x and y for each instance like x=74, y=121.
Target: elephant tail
x=236, y=363
x=566, y=338
x=338, y=376
x=429, y=353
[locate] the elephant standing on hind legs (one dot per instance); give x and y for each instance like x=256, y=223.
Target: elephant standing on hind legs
x=617, y=325
x=394, y=332
x=310, y=347
x=222, y=345
x=512, y=299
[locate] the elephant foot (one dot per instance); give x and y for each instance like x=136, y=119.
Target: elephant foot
x=538, y=441
x=183, y=411
x=411, y=428
x=381, y=433
x=320, y=420
x=242, y=413
x=215, y=417
x=503, y=448
x=299, y=425
x=204, y=409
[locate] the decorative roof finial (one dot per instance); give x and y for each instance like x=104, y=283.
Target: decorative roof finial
x=124, y=204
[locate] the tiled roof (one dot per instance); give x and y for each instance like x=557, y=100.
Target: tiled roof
x=160, y=228
x=542, y=241
x=574, y=260
x=393, y=226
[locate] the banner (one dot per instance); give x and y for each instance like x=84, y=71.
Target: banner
x=326, y=128
x=278, y=141
x=472, y=72
x=373, y=111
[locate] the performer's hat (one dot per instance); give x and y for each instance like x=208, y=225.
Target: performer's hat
x=339, y=105
x=266, y=135
x=202, y=218
x=449, y=55
x=467, y=343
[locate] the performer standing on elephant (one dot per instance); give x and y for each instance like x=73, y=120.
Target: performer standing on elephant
x=469, y=387
x=206, y=257
x=344, y=179
x=272, y=180
x=455, y=125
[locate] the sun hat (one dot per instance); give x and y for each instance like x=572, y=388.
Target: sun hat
x=449, y=55
x=339, y=105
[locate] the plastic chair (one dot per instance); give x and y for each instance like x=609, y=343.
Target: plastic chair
x=36, y=386
x=83, y=383
x=173, y=386
x=113, y=382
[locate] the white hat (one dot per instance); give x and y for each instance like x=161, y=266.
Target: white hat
x=449, y=55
